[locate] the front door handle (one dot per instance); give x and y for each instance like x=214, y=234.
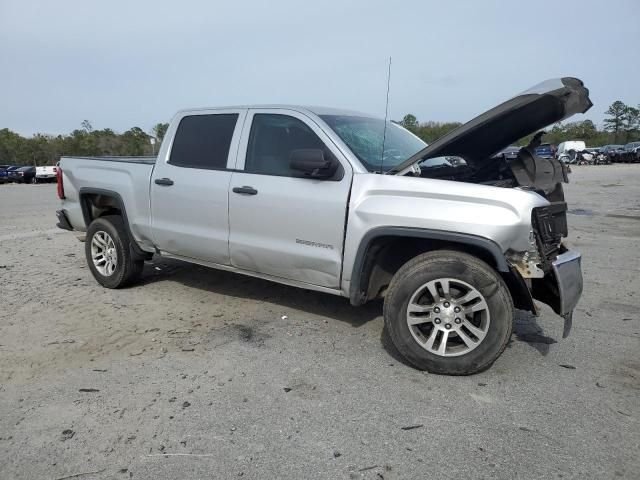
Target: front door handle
x=245, y=190
x=164, y=181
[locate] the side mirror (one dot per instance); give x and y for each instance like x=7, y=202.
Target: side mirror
x=312, y=163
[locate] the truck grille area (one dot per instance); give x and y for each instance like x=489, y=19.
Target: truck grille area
x=550, y=226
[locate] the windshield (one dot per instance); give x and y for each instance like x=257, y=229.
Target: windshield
x=364, y=136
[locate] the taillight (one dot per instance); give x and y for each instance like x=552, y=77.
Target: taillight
x=60, y=185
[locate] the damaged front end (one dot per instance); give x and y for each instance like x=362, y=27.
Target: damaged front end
x=552, y=272
x=561, y=285
x=475, y=153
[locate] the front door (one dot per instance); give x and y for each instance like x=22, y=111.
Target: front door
x=190, y=186
x=282, y=224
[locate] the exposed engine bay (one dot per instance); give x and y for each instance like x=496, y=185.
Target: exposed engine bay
x=470, y=152
x=527, y=170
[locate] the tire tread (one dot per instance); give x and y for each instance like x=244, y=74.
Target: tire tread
x=416, y=265
x=129, y=269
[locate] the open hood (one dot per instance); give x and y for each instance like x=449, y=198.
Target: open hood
x=477, y=140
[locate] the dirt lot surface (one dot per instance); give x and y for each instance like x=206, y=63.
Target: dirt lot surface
x=202, y=374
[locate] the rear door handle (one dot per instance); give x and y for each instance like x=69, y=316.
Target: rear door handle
x=245, y=190
x=164, y=181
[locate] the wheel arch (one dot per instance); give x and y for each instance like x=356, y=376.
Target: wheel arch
x=98, y=202
x=383, y=250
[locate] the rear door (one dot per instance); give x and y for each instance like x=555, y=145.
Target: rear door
x=190, y=183
x=280, y=223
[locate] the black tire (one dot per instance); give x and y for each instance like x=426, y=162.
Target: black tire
x=127, y=268
x=463, y=267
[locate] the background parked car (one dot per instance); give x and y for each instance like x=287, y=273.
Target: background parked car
x=630, y=153
x=3, y=173
x=566, y=150
x=10, y=177
x=544, y=150
x=46, y=174
x=599, y=158
x=612, y=152
x=509, y=153
x=22, y=175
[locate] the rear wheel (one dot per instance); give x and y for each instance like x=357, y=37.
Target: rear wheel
x=108, y=252
x=448, y=312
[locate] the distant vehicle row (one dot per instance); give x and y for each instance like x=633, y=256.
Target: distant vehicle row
x=576, y=152
x=21, y=174
x=629, y=153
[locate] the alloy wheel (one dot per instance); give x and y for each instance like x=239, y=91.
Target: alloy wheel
x=448, y=317
x=104, y=253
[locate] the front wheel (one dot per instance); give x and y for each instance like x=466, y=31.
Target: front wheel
x=108, y=252
x=448, y=312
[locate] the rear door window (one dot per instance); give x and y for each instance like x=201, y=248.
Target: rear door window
x=203, y=141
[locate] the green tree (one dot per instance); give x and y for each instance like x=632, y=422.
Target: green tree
x=617, y=112
x=12, y=146
x=584, y=130
x=430, y=131
x=159, y=130
x=631, y=123
x=136, y=142
x=410, y=122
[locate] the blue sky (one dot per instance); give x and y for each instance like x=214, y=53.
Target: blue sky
x=134, y=63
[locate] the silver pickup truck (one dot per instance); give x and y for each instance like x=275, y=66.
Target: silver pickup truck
x=451, y=235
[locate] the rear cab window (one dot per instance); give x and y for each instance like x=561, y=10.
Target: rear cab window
x=203, y=141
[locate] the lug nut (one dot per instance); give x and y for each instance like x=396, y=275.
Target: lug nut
x=447, y=326
x=446, y=304
x=457, y=309
x=458, y=320
x=437, y=320
x=437, y=310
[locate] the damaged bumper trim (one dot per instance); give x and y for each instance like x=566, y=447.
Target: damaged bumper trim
x=561, y=287
x=568, y=272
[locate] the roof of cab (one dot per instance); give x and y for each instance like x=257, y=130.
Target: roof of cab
x=317, y=110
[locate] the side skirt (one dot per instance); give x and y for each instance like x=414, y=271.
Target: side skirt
x=271, y=278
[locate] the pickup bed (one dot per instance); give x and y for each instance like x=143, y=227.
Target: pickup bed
x=452, y=236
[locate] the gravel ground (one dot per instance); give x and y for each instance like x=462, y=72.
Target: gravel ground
x=203, y=374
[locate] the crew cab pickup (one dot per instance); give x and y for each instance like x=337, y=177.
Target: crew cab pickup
x=348, y=204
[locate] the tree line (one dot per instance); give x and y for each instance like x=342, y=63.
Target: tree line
x=621, y=125
x=42, y=149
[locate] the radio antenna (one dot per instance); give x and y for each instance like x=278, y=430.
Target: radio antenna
x=386, y=116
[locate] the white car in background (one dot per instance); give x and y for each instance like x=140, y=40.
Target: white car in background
x=567, y=151
x=45, y=174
